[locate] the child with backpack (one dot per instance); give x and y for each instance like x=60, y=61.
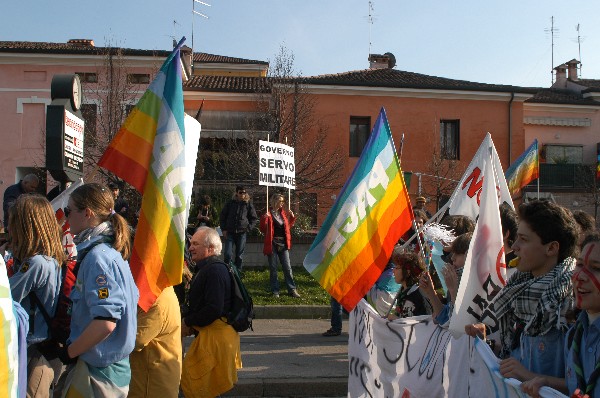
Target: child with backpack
x=35, y=242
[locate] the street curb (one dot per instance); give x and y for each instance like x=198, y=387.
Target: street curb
x=297, y=387
x=292, y=311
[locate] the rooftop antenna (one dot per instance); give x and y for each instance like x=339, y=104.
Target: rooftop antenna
x=579, y=40
x=371, y=19
x=553, y=32
x=194, y=12
x=174, y=35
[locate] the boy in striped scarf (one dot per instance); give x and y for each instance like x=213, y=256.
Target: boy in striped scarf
x=531, y=308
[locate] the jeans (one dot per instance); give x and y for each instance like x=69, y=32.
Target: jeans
x=336, y=315
x=284, y=258
x=239, y=240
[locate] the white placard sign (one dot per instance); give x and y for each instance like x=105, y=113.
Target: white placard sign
x=73, y=143
x=276, y=165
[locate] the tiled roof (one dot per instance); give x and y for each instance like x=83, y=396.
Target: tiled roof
x=401, y=79
x=591, y=84
x=238, y=84
x=70, y=48
x=212, y=58
x=560, y=96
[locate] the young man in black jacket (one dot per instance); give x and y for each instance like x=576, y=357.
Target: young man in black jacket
x=238, y=217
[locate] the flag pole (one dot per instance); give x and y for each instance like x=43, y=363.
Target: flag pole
x=268, y=209
x=289, y=190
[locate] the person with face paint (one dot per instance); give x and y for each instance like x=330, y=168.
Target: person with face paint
x=582, y=351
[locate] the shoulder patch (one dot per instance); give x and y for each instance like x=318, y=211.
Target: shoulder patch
x=101, y=280
x=24, y=267
x=103, y=293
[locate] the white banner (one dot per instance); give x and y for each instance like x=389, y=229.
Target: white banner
x=465, y=198
x=414, y=358
x=276, y=165
x=484, y=273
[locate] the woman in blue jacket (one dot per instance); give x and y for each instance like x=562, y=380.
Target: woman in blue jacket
x=35, y=242
x=104, y=315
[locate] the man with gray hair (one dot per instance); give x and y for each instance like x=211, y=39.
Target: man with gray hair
x=28, y=184
x=216, y=348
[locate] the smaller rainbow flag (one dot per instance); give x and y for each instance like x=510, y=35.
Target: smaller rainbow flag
x=359, y=234
x=524, y=170
x=149, y=153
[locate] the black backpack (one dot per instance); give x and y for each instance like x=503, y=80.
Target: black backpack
x=242, y=308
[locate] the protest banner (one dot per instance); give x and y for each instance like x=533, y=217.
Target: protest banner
x=414, y=358
x=484, y=272
x=276, y=165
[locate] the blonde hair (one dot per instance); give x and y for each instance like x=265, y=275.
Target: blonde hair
x=34, y=229
x=99, y=199
x=275, y=198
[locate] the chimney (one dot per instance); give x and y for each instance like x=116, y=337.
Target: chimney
x=572, y=68
x=561, y=76
x=379, y=61
x=81, y=42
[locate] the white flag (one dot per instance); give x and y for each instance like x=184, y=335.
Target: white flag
x=466, y=197
x=484, y=273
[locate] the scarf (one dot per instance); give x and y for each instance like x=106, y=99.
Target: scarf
x=535, y=304
x=104, y=229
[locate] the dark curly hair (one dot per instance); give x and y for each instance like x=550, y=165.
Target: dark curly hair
x=411, y=263
x=510, y=224
x=552, y=222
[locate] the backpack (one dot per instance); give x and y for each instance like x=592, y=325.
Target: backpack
x=59, y=326
x=242, y=308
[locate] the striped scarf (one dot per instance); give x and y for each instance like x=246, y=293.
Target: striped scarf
x=538, y=304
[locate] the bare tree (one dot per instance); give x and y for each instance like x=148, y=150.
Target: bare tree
x=284, y=113
x=441, y=177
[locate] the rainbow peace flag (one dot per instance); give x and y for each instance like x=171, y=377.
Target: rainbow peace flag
x=371, y=213
x=149, y=153
x=524, y=170
x=9, y=354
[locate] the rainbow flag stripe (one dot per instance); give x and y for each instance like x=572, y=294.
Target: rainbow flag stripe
x=524, y=170
x=148, y=153
x=359, y=234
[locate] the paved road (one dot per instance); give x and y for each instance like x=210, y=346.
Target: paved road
x=290, y=358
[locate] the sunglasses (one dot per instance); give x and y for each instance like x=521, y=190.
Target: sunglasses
x=242, y=192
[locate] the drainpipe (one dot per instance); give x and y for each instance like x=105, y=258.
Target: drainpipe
x=512, y=97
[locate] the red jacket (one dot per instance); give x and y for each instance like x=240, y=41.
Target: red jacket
x=266, y=226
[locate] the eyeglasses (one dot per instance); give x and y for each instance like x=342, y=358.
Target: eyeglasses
x=242, y=192
x=281, y=201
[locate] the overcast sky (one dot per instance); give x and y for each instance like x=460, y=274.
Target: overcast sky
x=501, y=42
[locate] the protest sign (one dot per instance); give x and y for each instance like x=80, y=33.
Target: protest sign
x=413, y=357
x=276, y=165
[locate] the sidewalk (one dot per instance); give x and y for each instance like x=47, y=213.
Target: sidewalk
x=290, y=358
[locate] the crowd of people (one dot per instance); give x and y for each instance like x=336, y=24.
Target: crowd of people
x=548, y=312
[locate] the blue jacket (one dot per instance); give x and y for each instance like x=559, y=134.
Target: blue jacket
x=40, y=275
x=105, y=289
x=590, y=353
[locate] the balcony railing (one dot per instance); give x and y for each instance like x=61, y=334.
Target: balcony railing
x=566, y=176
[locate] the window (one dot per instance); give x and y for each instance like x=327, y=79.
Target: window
x=138, y=78
x=360, y=126
x=86, y=77
x=450, y=139
x=563, y=154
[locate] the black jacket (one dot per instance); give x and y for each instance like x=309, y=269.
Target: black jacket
x=209, y=297
x=238, y=216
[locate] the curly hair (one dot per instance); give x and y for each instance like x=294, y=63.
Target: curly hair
x=34, y=229
x=411, y=263
x=100, y=201
x=552, y=222
x=459, y=224
x=510, y=224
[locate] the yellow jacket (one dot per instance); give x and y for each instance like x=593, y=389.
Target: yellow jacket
x=156, y=358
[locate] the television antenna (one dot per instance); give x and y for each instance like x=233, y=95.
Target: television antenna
x=371, y=19
x=579, y=40
x=553, y=33
x=194, y=12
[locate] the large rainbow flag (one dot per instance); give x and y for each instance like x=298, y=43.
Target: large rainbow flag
x=370, y=215
x=524, y=170
x=149, y=153
x=9, y=354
